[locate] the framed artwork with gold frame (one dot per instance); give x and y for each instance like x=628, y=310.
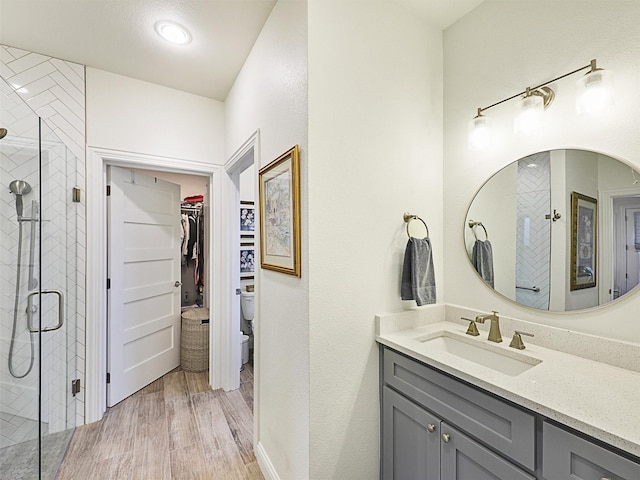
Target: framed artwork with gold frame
x=584, y=241
x=279, y=187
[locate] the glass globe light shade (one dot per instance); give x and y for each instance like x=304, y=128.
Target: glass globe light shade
x=594, y=92
x=529, y=112
x=479, y=133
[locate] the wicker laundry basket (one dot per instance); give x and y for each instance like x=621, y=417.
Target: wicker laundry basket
x=194, y=340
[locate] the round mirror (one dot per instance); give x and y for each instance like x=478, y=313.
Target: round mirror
x=558, y=230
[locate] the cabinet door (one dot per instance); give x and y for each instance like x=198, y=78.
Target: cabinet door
x=410, y=440
x=569, y=457
x=464, y=459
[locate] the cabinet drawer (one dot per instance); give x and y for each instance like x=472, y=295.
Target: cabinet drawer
x=507, y=429
x=568, y=456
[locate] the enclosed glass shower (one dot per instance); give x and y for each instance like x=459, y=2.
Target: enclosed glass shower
x=38, y=295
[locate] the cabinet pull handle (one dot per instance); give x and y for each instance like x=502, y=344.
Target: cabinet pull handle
x=446, y=437
x=431, y=427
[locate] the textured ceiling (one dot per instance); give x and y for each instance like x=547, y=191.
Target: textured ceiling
x=118, y=35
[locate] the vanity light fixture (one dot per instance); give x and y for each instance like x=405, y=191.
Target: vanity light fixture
x=173, y=32
x=594, y=93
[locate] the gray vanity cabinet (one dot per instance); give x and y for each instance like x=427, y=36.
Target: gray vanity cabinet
x=420, y=407
x=419, y=446
x=437, y=427
x=570, y=457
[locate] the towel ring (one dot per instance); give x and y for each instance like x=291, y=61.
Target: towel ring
x=473, y=225
x=408, y=218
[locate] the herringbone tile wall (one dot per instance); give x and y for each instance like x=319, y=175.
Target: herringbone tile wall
x=533, y=249
x=54, y=90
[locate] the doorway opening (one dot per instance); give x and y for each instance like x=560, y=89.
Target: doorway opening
x=626, y=267
x=221, y=336
x=241, y=185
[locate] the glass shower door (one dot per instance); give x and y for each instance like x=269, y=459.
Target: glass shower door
x=37, y=303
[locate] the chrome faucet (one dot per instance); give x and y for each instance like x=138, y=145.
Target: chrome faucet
x=494, y=331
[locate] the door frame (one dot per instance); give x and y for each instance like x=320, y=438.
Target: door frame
x=233, y=167
x=221, y=335
x=605, y=236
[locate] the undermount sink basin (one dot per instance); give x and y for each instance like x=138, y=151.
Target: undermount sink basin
x=504, y=361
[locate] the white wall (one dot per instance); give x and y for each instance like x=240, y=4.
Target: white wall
x=270, y=94
x=496, y=207
x=375, y=144
x=581, y=177
x=247, y=184
x=496, y=51
x=560, y=239
x=135, y=116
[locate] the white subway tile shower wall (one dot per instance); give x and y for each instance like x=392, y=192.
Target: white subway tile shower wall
x=55, y=90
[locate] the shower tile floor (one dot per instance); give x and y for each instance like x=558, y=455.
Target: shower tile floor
x=20, y=460
x=15, y=429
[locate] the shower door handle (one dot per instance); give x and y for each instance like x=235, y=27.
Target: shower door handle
x=60, y=311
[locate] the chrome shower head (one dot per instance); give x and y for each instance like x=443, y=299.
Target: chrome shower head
x=3, y=133
x=19, y=188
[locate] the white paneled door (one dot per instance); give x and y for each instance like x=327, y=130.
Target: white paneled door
x=144, y=276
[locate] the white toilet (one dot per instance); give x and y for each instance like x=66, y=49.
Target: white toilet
x=246, y=306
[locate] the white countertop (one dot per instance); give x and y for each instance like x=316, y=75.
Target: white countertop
x=593, y=397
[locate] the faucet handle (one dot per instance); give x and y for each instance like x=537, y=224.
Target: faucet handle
x=494, y=312
x=516, y=341
x=473, y=328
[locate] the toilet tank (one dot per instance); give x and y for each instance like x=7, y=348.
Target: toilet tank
x=246, y=304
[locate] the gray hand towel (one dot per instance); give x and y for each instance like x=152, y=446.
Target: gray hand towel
x=482, y=259
x=418, y=279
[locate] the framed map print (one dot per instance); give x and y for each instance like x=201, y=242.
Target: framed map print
x=280, y=214
x=584, y=213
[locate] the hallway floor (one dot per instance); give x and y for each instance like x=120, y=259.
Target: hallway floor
x=175, y=428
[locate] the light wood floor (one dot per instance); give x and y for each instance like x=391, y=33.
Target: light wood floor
x=175, y=428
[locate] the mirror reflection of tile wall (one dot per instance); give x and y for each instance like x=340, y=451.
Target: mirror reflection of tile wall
x=533, y=248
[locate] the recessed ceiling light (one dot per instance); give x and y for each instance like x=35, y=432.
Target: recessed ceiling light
x=172, y=32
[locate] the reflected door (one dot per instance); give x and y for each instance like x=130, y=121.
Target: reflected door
x=626, y=273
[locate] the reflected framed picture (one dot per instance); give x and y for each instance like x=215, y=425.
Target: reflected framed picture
x=279, y=187
x=584, y=241
x=247, y=218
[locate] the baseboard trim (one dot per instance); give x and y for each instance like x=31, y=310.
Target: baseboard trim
x=265, y=464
